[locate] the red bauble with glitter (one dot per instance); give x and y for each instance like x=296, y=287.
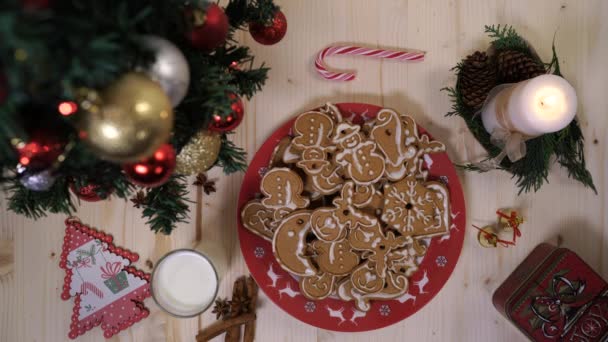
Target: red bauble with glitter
x=272, y=33
x=208, y=28
x=232, y=120
x=40, y=151
x=154, y=170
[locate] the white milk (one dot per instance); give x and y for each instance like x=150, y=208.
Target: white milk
x=185, y=281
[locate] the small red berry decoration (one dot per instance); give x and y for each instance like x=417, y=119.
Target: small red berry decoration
x=232, y=120
x=272, y=33
x=208, y=28
x=87, y=193
x=154, y=170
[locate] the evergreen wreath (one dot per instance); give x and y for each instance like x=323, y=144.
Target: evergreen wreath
x=532, y=171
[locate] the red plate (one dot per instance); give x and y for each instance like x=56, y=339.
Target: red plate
x=335, y=314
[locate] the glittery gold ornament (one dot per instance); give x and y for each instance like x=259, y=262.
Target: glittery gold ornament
x=199, y=154
x=130, y=120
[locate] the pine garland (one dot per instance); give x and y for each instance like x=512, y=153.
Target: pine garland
x=48, y=53
x=532, y=171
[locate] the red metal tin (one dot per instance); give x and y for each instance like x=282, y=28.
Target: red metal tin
x=553, y=295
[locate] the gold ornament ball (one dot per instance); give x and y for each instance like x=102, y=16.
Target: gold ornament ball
x=199, y=154
x=133, y=118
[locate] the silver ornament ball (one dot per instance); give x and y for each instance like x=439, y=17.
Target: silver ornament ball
x=37, y=180
x=170, y=68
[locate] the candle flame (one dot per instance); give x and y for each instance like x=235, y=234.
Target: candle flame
x=550, y=100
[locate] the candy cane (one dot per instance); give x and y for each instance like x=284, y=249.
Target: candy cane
x=87, y=286
x=360, y=51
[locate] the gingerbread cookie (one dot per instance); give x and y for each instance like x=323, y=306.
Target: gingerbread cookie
x=345, y=212
x=259, y=219
x=347, y=292
x=318, y=286
x=325, y=176
x=358, y=156
x=333, y=112
x=313, y=129
x=325, y=226
x=335, y=258
x=417, y=209
x=395, y=141
x=276, y=158
x=283, y=189
x=289, y=244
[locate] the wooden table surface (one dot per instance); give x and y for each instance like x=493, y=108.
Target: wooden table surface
x=30, y=304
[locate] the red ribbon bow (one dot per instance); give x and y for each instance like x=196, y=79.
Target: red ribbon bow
x=552, y=309
x=111, y=269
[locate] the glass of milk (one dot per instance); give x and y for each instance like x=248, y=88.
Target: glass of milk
x=185, y=281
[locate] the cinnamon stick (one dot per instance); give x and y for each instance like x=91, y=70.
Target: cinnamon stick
x=221, y=326
x=252, y=293
x=238, y=291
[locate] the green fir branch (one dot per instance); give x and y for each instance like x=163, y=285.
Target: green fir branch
x=506, y=38
x=231, y=158
x=167, y=205
x=36, y=204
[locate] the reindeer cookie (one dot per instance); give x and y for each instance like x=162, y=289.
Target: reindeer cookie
x=417, y=209
x=283, y=190
x=276, y=159
x=335, y=258
x=313, y=129
x=357, y=155
x=289, y=244
x=345, y=212
x=318, y=286
x=259, y=219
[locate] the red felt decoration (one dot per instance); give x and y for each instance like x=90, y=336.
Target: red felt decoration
x=3, y=89
x=87, y=193
x=154, y=170
x=41, y=151
x=232, y=120
x=33, y=5
x=107, y=291
x=208, y=28
x=272, y=33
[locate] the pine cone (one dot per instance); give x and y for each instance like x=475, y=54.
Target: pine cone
x=476, y=78
x=515, y=66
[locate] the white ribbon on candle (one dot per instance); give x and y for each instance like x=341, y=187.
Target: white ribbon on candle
x=512, y=143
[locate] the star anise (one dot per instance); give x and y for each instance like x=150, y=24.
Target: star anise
x=139, y=199
x=222, y=307
x=208, y=185
x=239, y=305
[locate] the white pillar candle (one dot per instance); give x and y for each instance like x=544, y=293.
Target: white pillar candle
x=540, y=105
x=185, y=281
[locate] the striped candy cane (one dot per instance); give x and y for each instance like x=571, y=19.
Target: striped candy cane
x=87, y=286
x=360, y=51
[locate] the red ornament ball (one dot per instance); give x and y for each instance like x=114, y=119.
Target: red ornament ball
x=33, y=5
x=208, y=29
x=232, y=120
x=272, y=33
x=154, y=170
x=41, y=151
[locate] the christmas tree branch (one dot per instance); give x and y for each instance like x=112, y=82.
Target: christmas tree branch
x=231, y=158
x=167, y=205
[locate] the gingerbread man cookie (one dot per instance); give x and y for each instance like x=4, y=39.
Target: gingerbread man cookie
x=417, y=209
x=358, y=156
x=283, y=190
x=313, y=129
x=289, y=244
